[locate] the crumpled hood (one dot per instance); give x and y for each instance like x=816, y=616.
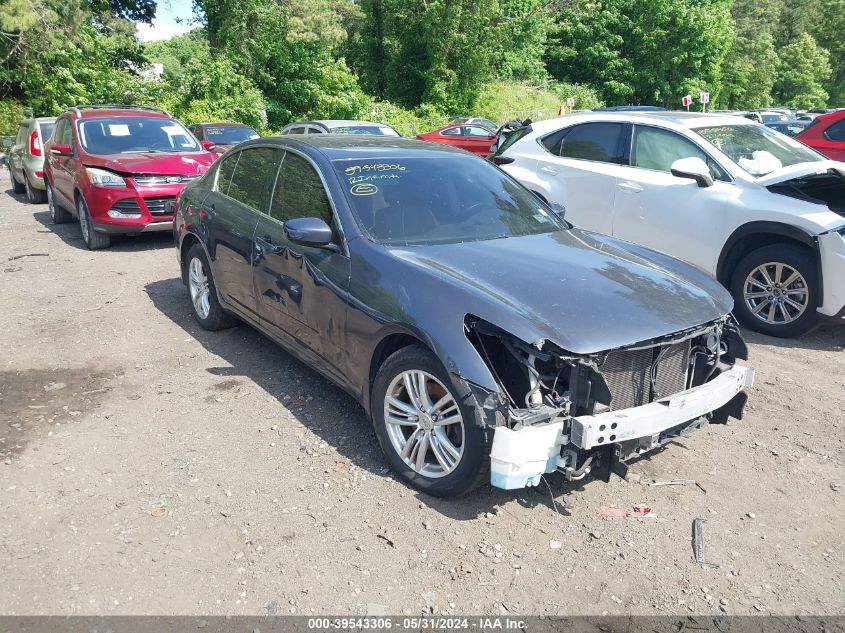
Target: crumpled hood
x=583, y=291
x=181, y=164
x=797, y=171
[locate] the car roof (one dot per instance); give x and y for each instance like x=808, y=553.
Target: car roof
x=102, y=113
x=330, y=123
x=335, y=146
x=40, y=119
x=689, y=120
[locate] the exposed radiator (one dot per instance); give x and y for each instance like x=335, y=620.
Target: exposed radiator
x=628, y=374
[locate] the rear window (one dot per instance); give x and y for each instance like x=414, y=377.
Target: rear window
x=47, y=130
x=229, y=135
x=601, y=142
x=126, y=135
x=367, y=130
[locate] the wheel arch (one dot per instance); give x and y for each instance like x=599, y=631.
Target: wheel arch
x=391, y=342
x=754, y=235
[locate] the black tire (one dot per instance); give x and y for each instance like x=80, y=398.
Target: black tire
x=473, y=466
x=217, y=318
x=58, y=214
x=17, y=187
x=794, y=257
x=33, y=195
x=93, y=240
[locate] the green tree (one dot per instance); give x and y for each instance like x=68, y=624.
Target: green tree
x=641, y=51
x=829, y=32
x=803, y=71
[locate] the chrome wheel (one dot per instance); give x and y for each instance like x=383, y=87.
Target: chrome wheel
x=776, y=293
x=424, y=423
x=198, y=285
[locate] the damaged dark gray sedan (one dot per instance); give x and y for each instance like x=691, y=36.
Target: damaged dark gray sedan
x=486, y=338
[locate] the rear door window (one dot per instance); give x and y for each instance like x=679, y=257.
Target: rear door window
x=602, y=142
x=252, y=181
x=225, y=171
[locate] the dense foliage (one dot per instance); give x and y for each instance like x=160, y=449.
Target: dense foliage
x=414, y=63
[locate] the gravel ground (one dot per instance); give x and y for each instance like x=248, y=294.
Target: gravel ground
x=149, y=467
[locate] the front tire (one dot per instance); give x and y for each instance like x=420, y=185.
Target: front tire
x=426, y=425
x=93, y=240
x=16, y=186
x=775, y=290
x=58, y=214
x=203, y=293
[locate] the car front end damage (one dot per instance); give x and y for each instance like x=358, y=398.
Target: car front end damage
x=590, y=414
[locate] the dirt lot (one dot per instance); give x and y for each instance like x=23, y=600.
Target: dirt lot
x=147, y=466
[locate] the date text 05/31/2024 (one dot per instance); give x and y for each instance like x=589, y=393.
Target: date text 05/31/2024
x=478, y=623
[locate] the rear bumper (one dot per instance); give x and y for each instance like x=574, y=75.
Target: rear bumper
x=832, y=253
x=520, y=457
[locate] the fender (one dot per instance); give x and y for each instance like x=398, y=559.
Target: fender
x=728, y=259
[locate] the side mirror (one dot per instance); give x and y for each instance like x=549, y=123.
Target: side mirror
x=207, y=145
x=61, y=149
x=559, y=209
x=694, y=168
x=309, y=232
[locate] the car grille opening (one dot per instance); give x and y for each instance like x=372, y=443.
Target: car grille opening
x=160, y=206
x=637, y=377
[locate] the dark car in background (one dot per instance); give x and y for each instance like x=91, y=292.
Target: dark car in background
x=118, y=170
x=826, y=135
x=790, y=127
x=26, y=158
x=339, y=126
x=221, y=137
x=485, y=337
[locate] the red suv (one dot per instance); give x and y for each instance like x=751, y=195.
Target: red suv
x=826, y=135
x=118, y=169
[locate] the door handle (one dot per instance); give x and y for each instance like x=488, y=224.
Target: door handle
x=549, y=170
x=630, y=187
x=267, y=241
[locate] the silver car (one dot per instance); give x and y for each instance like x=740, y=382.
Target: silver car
x=26, y=158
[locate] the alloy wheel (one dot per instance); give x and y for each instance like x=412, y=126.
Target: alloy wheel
x=776, y=293
x=199, y=288
x=424, y=423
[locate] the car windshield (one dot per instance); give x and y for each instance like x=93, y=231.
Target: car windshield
x=758, y=149
x=371, y=130
x=439, y=200
x=124, y=135
x=229, y=135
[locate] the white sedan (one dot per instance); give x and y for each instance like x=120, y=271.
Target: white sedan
x=757, y=210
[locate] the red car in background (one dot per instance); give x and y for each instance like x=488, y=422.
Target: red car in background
x=473, y=138
x=118, y=170
x=826, y=135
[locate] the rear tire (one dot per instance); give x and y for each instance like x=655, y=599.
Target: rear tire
x=58, y=214
x=455, y=456
x=203, y=293
x=93, y=240
x=775, y=290
x=33, y=195
x=16, y=186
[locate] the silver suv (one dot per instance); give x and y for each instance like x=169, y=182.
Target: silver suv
x=26, y=158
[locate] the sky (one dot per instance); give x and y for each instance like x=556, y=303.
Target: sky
x=172, y=18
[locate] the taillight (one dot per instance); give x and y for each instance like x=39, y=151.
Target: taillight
x=34, y=144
